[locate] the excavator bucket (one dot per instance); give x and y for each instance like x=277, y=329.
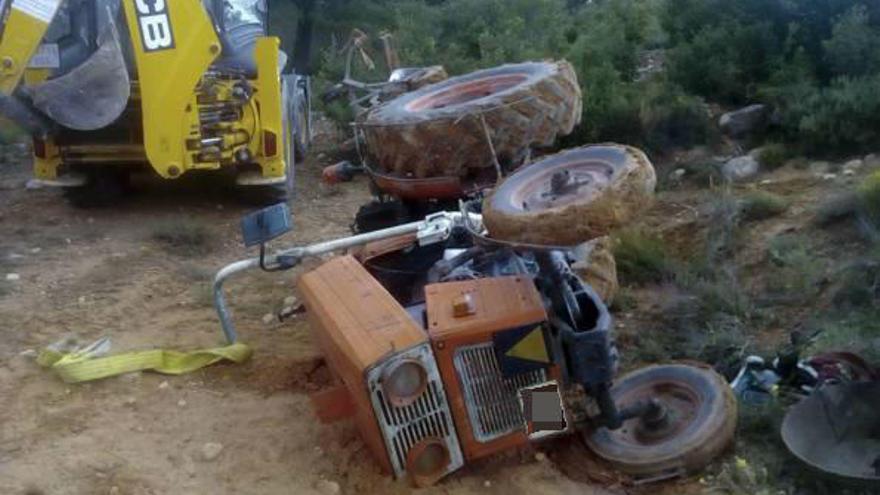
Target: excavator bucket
x=92, y=95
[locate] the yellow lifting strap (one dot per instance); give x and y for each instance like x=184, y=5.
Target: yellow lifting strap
x=82, y=366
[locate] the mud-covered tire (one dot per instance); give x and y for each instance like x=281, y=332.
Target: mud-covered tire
x=608, y=185
x=700, y=434
x=437, y=131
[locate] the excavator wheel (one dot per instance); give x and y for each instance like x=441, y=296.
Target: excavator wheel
x=438, y=130
x=571, y=197
x=696, y=422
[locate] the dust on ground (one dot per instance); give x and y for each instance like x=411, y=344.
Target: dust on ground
x=90, y=273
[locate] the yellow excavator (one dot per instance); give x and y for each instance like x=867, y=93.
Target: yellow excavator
x=109, y=86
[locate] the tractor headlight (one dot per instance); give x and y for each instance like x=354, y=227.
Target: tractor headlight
x=404, y=381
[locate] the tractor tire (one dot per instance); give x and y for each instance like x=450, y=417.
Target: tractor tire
x=426, y=76
x=571, y=197
x=437, y=130
x=701, y=414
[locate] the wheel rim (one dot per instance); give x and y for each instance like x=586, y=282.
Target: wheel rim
x=465, y=92
x=680, y=403
x=562, y=180
x=698, y=422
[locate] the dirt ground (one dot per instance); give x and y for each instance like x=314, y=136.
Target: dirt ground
x=94, y=273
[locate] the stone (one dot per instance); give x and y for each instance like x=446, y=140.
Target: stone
x=829, y=176
x=211, y=451
x=290, y=301
x=849, y=172
x=487, y=484
x=28, y=353
x=181, y=403
x=679, y=173
x=872, y=160
x=12, y=277
x=540, y=457
x=268, y=319
x=130, y=402
x=819, y=166
x=33, y=184
x=189, y=466
x=853, y=164
x=164, y=385
x=741, y=168
x=744, y=121
x=328, y=487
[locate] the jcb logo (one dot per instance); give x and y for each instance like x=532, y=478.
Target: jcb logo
x=155, y=25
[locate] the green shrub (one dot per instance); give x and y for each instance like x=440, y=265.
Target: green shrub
x=762, y=205
x=641, y=258
x=797, y=270
x=773, y=155
x=854, y=47
x=842, y=117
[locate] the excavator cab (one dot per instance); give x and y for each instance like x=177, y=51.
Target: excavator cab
x=108, y=87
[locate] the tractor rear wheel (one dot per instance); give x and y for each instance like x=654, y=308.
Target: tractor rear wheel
x=697, y=423
x=571, y=197
x=438, y=130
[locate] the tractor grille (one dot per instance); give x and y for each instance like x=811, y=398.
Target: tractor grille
x=491, y=400
x=429, y=416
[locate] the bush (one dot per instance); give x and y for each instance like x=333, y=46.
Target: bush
x=762, y=205
x=842, y=117
x=773, y=155
x=641, y=258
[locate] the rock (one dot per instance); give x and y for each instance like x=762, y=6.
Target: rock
x=36, y=250
x=853, y=165
x=741, y=122
x=328, y=487
x=164, y=385
x=849, y=172
x=211, y=451
x=28, y=353
x=114, y=490
x=290, y=301
x=268, y=319
x=819, y=166
x=189, y=466
x=181, y=403
x=130, y=402
x=872, y=160
x=829, y=176
x=33, y=184
x=540, y=457
x=741, y=168
x=487, y=484
x=766, y=182
x=679, y=173
x=12, y=277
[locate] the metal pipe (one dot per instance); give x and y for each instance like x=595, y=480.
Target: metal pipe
x=298, y=253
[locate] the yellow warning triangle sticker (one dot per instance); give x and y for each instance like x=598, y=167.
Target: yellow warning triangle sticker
x=531, y=347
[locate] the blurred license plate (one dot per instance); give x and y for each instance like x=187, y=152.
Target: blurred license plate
x=46, y=57
x=543, y=410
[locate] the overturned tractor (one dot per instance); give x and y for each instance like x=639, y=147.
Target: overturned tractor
x=463, y=335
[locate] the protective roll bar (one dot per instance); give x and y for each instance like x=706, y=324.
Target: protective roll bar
x=434, y=228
